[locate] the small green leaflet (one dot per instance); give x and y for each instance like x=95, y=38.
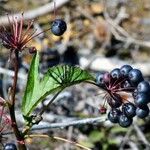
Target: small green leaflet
x=55, y=80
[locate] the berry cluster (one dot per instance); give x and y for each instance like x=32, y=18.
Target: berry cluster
x=127, y=93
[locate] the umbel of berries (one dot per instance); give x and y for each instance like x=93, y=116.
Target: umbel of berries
x=127, y=94
x=58, y=27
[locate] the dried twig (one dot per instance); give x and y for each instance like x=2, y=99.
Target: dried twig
x=133, y=146
x=59, y=138
x=119, y=32
x=100, y=28
x=95, y=120
x=73, y=123
x=125, y=139
x=141, y=136
x=31, y=14
x=69, y=135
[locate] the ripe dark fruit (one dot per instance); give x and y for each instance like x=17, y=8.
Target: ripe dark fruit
x=143, y=86
x=142, y=113
x=125, y=70
x=115, y=73
x=113, y=115
x=127, y=91
x=129, y=109
x=99, y=79
x=141, y=99
x=135, y=76
x=58, y=27
x=125, y=121
x=10, y=146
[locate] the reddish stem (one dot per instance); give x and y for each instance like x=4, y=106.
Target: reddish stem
x=17, y=133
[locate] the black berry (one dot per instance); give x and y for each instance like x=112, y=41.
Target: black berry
x=129, y=109
x=113, y=115
x=141, y=99
x=115, y=73
x=143, y=86
x=100, y=79
x=125, y=121
x=10, y=146
x=125, y=70
x=58, y=27
x=135, y=76
x=142, y=112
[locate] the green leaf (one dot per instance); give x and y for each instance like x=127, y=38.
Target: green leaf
x=55, y=80
x=32, y=84
x=96, y=136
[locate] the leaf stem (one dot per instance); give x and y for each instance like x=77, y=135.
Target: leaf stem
x=50, y=102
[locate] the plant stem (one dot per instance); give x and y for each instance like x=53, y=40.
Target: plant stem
x=28, y=128
x=11, y=105
x=50, y=102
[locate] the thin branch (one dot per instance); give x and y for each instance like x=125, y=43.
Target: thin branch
x=72, y=142
x=133, y=146
x=95, y=120
x=125, y=139
x=31, y=14
x=120, y=33
x=124, y=36
x=73, y=123
x=59, y=138
x=141, y=135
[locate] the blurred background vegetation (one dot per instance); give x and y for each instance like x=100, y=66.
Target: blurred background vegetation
x=112, y=32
